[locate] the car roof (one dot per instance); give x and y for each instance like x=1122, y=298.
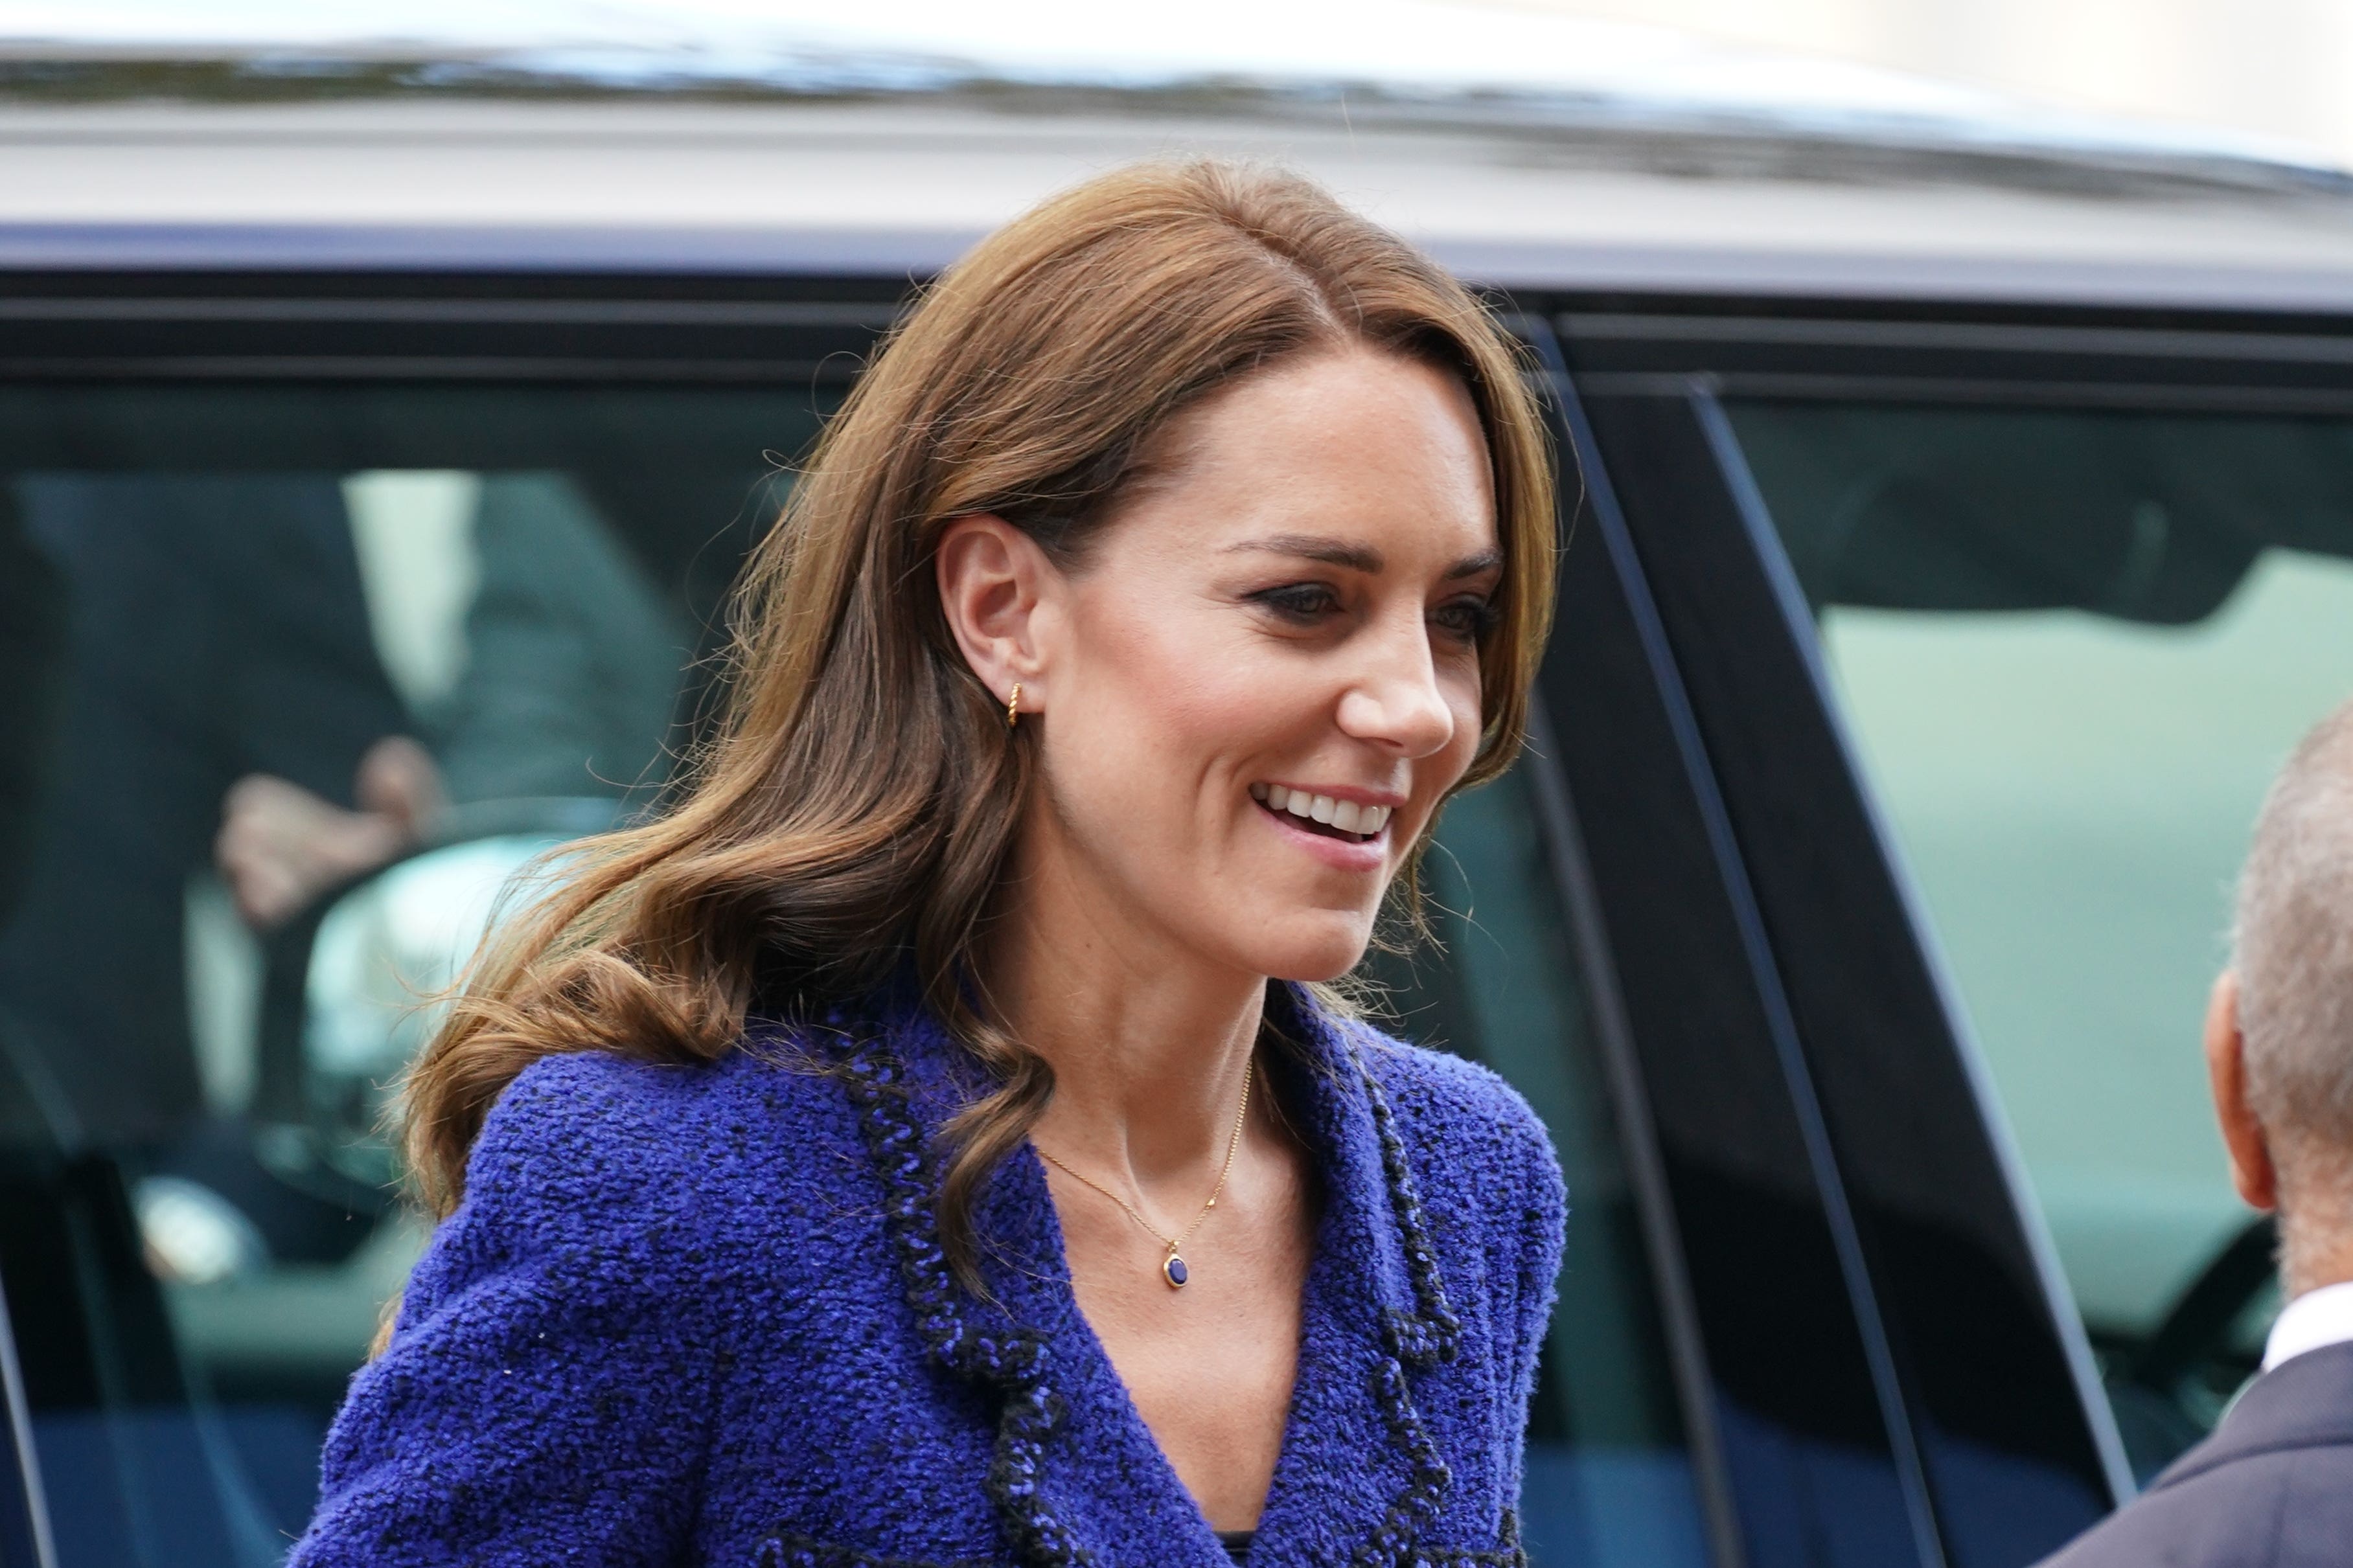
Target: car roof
x=1528, y=150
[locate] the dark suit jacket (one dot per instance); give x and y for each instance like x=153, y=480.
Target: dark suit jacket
x=2273, y=1488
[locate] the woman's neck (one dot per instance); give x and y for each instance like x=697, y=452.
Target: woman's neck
x=1148, y=1050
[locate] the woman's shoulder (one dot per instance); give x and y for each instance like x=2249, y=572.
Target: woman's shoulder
x=592, y=1134
x=1455, y=1112
x=1441, y=1087
x=650, y=1178
x=628, y=1101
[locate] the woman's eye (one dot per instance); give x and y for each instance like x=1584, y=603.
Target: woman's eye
x=1300, y=601
x=1468, y=619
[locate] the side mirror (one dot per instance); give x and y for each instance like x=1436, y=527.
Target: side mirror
x=355, y=990
x=384, y=954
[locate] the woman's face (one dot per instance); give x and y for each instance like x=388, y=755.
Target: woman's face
x=1264, y=675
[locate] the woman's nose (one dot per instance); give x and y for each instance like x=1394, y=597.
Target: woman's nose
x=1395, y=703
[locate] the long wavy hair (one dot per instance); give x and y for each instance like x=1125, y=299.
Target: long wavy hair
x=854, y=810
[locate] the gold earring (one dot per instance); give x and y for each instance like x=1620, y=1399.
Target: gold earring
x=1013, y=708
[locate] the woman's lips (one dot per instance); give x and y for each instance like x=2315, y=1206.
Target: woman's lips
x=1342, y=850
x=1339, y=816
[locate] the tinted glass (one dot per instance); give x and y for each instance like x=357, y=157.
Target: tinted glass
x=1608, y=1482
x=2072, y=648
x=296, y=683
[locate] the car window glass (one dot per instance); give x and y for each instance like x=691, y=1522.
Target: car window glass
x=331, y=679
x=1608, y=1480
x=2072, y=649
x=305, y=691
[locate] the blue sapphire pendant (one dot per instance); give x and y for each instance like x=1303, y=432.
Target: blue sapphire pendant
x=1175, y=1271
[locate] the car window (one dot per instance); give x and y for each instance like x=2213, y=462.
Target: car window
x=2071, y=648
x=305, y=688
x=314, y=685
x=1608, y=1480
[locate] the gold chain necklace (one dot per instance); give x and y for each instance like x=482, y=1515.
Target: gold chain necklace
x=1172, y=1267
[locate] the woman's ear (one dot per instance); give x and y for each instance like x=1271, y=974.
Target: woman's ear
x=996, y=589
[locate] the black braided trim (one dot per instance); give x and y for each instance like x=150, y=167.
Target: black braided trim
x=1432, y=1333
x=1510, y=1553
x=791, y=1551
x=1392, y=1541
x=1421, y=1339
x=1012, y=1365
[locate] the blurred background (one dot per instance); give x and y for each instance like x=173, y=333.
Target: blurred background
x=1963, y=397
x=2274, y=67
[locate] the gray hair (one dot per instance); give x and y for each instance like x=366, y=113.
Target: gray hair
x=2294, y=955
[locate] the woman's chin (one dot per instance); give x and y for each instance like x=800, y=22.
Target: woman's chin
x=1310, y=956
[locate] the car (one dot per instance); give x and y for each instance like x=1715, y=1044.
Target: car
x=1957, y=510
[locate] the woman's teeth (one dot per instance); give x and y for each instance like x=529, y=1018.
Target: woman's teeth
x=1343, y=814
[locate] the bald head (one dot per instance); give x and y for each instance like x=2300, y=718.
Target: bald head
x=2295, y=966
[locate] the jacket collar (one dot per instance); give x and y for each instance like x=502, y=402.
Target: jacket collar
x=1357, y=1458
x=2305, y=1402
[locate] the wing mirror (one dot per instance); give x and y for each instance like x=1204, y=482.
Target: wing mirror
x=356, y=987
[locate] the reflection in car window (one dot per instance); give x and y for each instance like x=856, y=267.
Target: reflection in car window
x=329, y=671
x=1608, y=1478
x=308, y=681
x=2073, y=648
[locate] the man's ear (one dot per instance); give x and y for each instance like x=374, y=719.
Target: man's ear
x=2252, y=1170
x=996, y=589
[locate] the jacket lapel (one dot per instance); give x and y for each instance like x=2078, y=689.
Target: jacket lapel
x=1359, y=1479
x=1076, y=1476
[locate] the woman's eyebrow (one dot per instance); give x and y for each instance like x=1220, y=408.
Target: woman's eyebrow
x=1316, y=547
x=1471, y=565
x=1356, y=557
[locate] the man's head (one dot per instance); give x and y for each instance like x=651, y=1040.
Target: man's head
x=2279, y=1031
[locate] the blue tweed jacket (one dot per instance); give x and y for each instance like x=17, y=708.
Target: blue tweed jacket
x=700, y=1315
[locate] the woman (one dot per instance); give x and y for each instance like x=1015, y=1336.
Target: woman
x=930, y=1143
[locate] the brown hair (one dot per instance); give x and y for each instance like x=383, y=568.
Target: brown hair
x=856, y=807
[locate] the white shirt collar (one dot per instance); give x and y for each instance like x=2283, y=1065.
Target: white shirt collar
x=2313, y=1319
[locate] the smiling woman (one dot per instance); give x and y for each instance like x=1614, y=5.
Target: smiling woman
x=945, y=1094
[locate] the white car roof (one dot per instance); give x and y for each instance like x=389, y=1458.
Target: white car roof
x=1527, y=150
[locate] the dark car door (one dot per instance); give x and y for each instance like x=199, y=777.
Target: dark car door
x=1876, y=1322
x=1993, y=626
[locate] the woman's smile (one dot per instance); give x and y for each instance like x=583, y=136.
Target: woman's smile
x=1343, y=813
x=1337, y=823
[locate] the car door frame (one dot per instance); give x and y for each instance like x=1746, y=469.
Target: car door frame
x=24, y=1514
x=1662, y=368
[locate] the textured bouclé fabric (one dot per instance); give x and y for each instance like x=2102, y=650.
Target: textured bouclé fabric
x=700, y=1315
